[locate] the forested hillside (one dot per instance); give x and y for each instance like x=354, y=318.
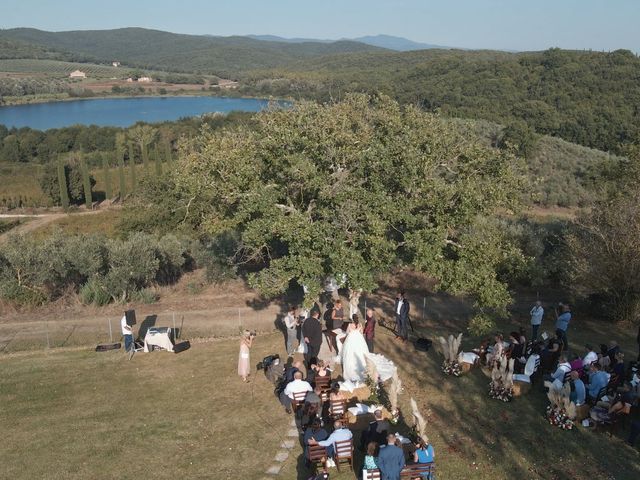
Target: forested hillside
x=589, y=98
x=154, y=49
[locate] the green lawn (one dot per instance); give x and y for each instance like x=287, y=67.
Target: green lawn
x=80, y=414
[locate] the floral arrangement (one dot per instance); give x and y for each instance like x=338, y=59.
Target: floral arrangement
x=559, y=418
x=452, y=368
x=562, y=411
x=500, y=393
x=501, y=386
x=450, y=350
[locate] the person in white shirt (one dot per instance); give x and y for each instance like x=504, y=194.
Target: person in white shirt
x=127, y=333
x=563, y=368
x=296, y=386
x=341, y=433
x=590, y=357
x=537, y=312
x=291, y=324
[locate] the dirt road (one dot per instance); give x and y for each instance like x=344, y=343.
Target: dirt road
x=37, y=220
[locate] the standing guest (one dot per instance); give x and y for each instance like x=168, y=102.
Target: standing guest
x=578, y=393
x=390, y=460
x=562, y=324
x=371, y=458
x=337, y=315
x=291, y=325
x=243, y=359
x=612, y=350
x=369, y=329
x=127, y=333
x=537, y=312
x=401, y=310
x=312, y=334
x=590, y=357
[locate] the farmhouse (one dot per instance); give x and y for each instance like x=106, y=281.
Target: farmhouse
x=115, y=64
x=77, y=74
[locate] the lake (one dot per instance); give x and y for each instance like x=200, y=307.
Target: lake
x=120, y=112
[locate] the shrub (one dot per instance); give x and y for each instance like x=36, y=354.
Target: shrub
x=94, y=292
x=146, y=295
x=481, y=324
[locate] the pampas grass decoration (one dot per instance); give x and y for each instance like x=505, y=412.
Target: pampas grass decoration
x=445, y=348
x=372, y=370
x=420, y=422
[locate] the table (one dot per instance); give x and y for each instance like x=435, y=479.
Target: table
x=158, y=337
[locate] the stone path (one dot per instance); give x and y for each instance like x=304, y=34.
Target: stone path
x=283, y=454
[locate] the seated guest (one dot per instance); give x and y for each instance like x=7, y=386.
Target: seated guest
x=316, y=431
x=310, y=412
x=377, y=430
x=298, y=385
x=563, y=368
x=497, y=351
x=603, y=358
x=590, y=357
x=516, y=349
x=290, y=370
x=618, y=365
x=522, y=338
x=335, y=394
x=597, y=380
x=424, y=451
x=371, y=458
x=318, y=369
x=549, y=355
x=576, y=363
x=612, y=350
x=578, y=393
x=619, y=406
x=339, y=434
x=314, y=397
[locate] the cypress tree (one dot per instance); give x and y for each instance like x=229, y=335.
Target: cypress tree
x=168, y=157
x=86, y=182
x=132, y=166
x=158, y=160
x=144, y=151
x=62, y=183
x=123, y=185
x=107, y=176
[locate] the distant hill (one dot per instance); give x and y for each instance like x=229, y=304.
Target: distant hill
x=389, y=42
x=154, y=49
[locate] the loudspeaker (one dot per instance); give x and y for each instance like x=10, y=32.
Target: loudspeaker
x=181, y=347
x=131, y=317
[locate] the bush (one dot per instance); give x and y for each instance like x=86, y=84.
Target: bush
x=94, y=292
x=481, y=324
x=146, y=295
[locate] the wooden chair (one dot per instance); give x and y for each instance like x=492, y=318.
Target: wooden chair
x=419, y=470
x=298, y=400
x=338, y=409
x=344, y=453
x=567, y=377
x=372, y=474
x=325, y=386
x=316, y=456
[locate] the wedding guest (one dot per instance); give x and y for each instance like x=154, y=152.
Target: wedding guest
x=391, y=460
x=369, y=329
x=371, y=458
x=291, y=326
x=244, y=360
x=537, y=312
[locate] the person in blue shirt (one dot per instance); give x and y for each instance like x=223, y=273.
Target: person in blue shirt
x=578, y=392
x=424, y=454
x=562, y=324
x=597, y=379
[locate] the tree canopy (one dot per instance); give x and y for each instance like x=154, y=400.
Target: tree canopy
x=353, y=188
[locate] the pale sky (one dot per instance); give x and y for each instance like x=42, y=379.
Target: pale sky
x=495, y=24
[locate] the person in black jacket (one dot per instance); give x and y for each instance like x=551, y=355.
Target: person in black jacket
x=401, y=310
x=312, y=334
x=638, y=340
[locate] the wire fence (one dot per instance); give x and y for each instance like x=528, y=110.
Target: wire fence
x=91, y=331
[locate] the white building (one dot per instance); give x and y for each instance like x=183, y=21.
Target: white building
x=145, y=79
x=77, y=74
x=115, y=64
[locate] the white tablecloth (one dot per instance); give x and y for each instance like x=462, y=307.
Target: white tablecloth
x=160, y=339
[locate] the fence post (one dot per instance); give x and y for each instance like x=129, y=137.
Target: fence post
x=110, y=332
x=174, y=327
x=46, y=323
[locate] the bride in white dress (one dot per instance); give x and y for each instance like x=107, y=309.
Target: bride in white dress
x=353, y=354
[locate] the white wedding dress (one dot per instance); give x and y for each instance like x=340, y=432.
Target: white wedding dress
x=353, y=355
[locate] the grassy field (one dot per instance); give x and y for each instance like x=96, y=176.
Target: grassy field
x=103, y=222
x=89, y=415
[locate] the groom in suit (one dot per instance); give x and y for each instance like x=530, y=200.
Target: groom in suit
x=401, y=310
x=312, y=334
x=390, y=460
